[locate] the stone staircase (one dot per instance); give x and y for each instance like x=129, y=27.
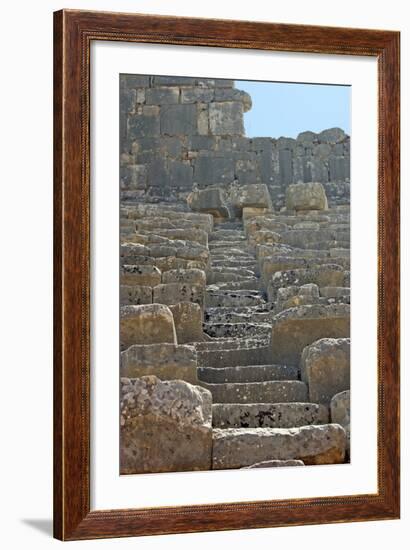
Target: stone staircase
x=243, y=325
x=248, y=394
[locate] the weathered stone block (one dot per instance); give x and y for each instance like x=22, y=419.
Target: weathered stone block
x=128, y=100
x=178, y=119
x=191, y=276
x=197, y=94
x=264, y=237
x=133, y=81
x=140, y=126
x=216, y=170
x=162, y=96
x=165, y=426
x=188, y=322
x=272, y=391
x=267, y=415
x=173, y=81
x=247, y=171
x=285, y=167
x=332, y=135
x=146, y=275
x=173, y=293
x=226, y=118
x=251, y=212
x=306, y=196
x=167, y=361
x=146, y=324
x=298, y=327
x=325, y=367
x=233, y=94
x=253, y=195
x=237, y=447
x=307, y=137
x=134, y=176
x=180, y=174
x=210, y=201
x=135, y=295
x=340, y=412
x=322, y=275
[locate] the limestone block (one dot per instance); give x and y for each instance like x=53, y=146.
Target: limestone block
x=285, y=167
x=307, y=137
x=298, y=327
x=166, y=361
x=213, y=170
x=306, y=196
x=178, y=119
x=188, y=322
x=264, y=237
x=173, y=293
x=310, y=289
x=146, y=324
x=335, y=291
x=322, y=275
x=146, y=275
x=191, y=276
x=253, y=195
x=251, y=212
x=133, y=81
x=268, y=415
x=180, y=174
x=132, y=250
x=133, y=176
x=226, y=118
x=210, y=201
x=332, y=135
x=263, y=223
x=238, y=447
x=325, y=367
x=189, y=233
x=247, y=172
x=173, y=81
x=165, y=426
x=340, y=412
x=140, y=126
x=135, y=295
x=193, y=252
x=233, y=94
x=197, y=94
x=162, y=96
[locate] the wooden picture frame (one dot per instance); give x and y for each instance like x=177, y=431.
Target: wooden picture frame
x=74, y=32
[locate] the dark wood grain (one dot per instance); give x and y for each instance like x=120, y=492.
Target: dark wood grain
x=73, y=33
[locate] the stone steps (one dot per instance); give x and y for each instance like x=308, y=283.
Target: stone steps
x=219, y=277
x=256, y=355
x=260, y=410
x=216, y=245
x=237, y=330
x=247, y=373
x=235, y=298
x=273, y=391
x=248, y=283
x=268, y=415
x=232, y=263
x=230, y=315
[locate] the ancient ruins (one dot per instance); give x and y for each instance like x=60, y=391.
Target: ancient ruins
x=235, y=285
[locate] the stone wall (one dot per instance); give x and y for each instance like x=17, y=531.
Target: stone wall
x=180, y=134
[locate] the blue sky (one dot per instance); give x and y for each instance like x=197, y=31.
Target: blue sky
x=286, y=109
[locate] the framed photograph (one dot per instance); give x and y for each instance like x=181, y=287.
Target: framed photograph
x=226, y=275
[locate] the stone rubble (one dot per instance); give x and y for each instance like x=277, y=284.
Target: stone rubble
x=235, y=285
